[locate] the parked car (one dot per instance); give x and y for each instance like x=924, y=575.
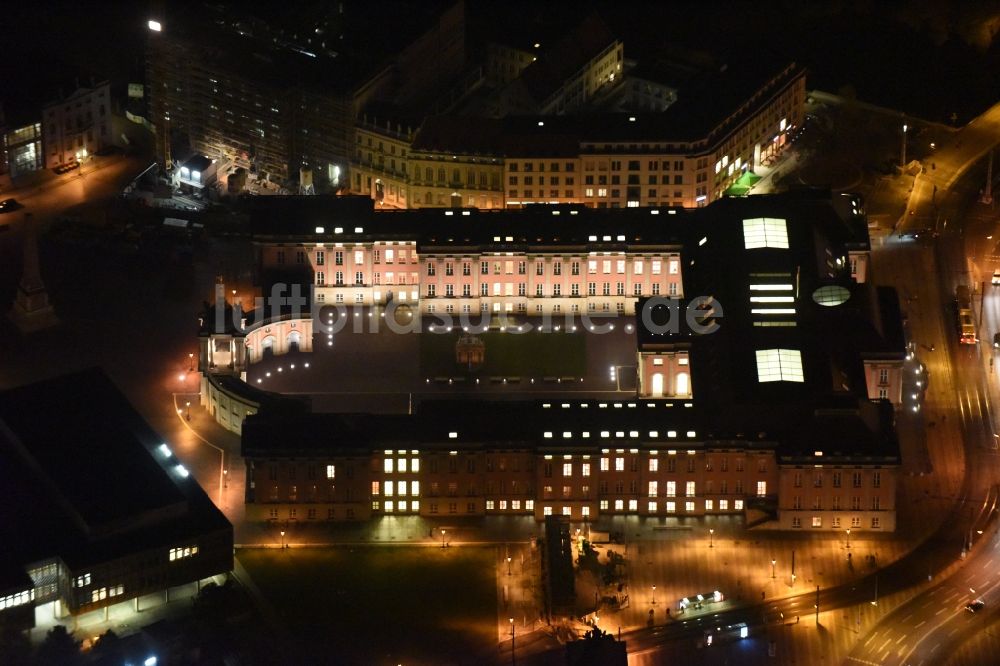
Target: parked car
x=996, y=278
x=8, y=205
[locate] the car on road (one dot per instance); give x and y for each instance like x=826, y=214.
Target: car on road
x=8, y=205
x=996, y=340
x=996, y=278
x=975, y=606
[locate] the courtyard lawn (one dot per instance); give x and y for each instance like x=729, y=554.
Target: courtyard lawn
x=524, y=355
x=381, y=604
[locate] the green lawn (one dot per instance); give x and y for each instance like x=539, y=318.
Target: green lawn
x=382, y=605
x=525, y=355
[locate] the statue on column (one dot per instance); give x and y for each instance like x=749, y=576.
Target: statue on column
x=32, y=310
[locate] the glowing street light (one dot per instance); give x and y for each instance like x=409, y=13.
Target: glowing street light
x=190, y=362
x=711, y=538
x=848, y=537
x=654, y=595
x=282, y=539
x=155, y=26
x=443, y=532
x=508, y=566
x=773, y=562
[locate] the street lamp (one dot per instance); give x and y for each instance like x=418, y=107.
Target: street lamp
x=225, y=478
x=282, y=539
x=848, y=537
x=190, y=362
x=443, y=532
x=511, y=620
x=773, y=562
x=711, y=538
x=902, y=156
x=654, y=595
x=188, y=412
x=508, y=566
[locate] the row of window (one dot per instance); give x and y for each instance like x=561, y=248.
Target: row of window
x=501, y=289
x=17, y=599
x=817, y=503
x=837, y=477
x=183, y=553
x=331, y=472
x=817, y=521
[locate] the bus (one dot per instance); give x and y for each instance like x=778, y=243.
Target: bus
x=965, y=319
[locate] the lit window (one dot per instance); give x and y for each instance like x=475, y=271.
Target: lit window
x=414, y=465
x=585, y=511
x=566, y=511
x=585, y=471
x=389, y=489
x=330, y=471
x=401, y=488
x=633, y=505
x=671, y=507
x=389, y=506
x=653, y=487
x=738, y=505
x=547, y=511
x=401, y=465
x=689, y=489
x=761, y=488
x=489, y=505
x=604, y=464
x=654, y=464
x=180, y=553
x=619, y=505
x=375, y=487
x=388, y=465
x=529, y=505
x=765, y=232
x=779, y=365
x=689, y=506
x=415, y=488
x=709, y=504
x=619, y=464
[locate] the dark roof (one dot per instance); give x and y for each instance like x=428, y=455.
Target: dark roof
x=542, y=78
x=282, y=44
x=483, y=136
x=198, y=163
x=296, y=219
x=81, y=476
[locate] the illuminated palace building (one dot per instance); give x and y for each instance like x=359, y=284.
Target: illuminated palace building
x=783, y=414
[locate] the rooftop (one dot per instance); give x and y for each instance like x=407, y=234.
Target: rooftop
x=94, y=483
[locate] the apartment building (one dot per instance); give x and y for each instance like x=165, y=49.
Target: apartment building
x=77, y=125
x=734, y=122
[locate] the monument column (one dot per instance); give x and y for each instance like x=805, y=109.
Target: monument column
x=32, y=310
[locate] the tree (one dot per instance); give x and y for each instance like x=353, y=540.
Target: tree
x=107, y=644
x=59, y=648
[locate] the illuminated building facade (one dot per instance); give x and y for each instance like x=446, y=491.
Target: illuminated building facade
x=765, y=384
x=77, y=125
x=685, y=156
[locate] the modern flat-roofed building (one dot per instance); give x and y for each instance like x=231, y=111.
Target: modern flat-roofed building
x=790, y=370
x=95, y=508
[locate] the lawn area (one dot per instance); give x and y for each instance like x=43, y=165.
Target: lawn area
x=524, y=355
x=381, y=605
x=742, y=184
